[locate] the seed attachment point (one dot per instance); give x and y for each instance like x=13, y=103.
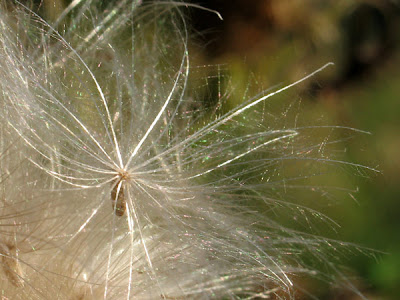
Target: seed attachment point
x=117, y=194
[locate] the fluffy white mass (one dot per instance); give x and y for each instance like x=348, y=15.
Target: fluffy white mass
x=117, y=184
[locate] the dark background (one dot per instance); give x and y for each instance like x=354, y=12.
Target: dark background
x=281, y=40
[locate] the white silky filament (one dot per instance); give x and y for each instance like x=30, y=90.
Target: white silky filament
x=95, y=110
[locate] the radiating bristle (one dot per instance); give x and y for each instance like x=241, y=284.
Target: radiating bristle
x=95, y=104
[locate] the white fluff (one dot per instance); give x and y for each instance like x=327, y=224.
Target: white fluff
x=95, y=110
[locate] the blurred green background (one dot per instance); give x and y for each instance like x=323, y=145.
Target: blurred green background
x=261, y=43
x=279, y=41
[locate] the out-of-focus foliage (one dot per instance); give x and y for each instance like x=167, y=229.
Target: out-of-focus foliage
x=275, y=41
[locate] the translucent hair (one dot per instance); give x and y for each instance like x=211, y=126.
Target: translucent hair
x=117, y=183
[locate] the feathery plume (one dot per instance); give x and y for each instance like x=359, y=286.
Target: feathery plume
x=114, y=186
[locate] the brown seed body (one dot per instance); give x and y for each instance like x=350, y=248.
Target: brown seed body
x=10, y=265
x=118, y=198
